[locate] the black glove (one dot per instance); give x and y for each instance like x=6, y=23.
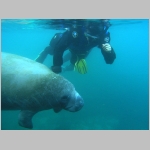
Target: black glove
x=56, y=69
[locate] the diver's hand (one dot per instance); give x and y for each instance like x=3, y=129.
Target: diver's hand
x=106, y=47
x=70, y=67
x=56, y=69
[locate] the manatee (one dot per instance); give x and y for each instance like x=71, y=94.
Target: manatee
x=31, y=87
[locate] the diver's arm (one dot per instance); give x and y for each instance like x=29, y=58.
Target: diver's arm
x=109, y=56
x=107, y=50
x=58, y=52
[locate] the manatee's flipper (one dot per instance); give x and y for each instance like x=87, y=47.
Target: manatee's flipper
x=25, y=118
x=57, y=109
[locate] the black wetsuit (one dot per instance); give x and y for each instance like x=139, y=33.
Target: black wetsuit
x=79, y=43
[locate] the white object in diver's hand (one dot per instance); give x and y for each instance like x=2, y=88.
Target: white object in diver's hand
x=106, y=47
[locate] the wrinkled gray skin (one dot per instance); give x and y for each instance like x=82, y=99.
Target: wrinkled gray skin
x=31, y=87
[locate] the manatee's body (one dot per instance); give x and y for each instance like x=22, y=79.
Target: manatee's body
x=32, y=87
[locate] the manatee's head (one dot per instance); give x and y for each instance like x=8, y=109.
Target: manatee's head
x=71, y=101
x=65, y=95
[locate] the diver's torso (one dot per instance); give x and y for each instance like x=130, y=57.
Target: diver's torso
x=80, y=43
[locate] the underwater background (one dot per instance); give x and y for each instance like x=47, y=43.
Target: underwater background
x=116, y=96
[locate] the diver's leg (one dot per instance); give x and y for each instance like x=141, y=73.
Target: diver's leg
x=42, y=56
x=49, y=49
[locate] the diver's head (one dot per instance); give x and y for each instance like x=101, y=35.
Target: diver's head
x=105, y=22
x=95, y=27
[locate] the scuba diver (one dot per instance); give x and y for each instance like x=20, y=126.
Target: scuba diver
x=79, y=40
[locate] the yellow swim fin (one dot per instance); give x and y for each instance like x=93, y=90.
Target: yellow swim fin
x=81, y=66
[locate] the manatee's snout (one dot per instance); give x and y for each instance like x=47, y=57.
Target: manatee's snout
x=77, y=104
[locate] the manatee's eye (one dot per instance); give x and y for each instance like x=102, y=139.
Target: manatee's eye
x=64, y=101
